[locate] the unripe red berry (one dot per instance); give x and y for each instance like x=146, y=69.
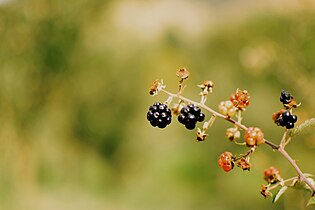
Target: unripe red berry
x=253, y=136
x=225, y=161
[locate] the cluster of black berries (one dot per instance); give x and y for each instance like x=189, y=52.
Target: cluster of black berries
x=189, y=115
x=287, y=120
x=285, y=97
x=159, y=115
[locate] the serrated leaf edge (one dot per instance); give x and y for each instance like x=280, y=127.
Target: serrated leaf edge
x=302, y=126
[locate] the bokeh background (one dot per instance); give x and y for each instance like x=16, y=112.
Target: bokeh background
x=74, y=80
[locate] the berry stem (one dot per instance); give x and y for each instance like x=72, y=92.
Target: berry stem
x=243, y=127
x=282, y=183
x=298, y=170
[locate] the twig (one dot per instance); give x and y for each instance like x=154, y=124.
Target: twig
x=243, y=127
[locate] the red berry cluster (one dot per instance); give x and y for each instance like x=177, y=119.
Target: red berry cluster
x=226, y=161
x=253, y=136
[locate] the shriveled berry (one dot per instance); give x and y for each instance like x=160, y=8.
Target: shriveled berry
x=159, y=115
x=272, y=175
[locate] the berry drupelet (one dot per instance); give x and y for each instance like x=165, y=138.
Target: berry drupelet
x=287, y=120
x=285, y=97
x=159, y=115
x=189, y=115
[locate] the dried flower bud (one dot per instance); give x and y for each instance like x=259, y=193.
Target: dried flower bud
x=240, y=99
x=292, y=104
x=156, y=86
x=264, y=191
x=232, y=134
x=182, y=73
x=206, y=87
x=201, y=135
x=176, y=109
x=244, y=164
x=272, y=175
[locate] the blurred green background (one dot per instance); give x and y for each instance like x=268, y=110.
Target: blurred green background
x=74, y=80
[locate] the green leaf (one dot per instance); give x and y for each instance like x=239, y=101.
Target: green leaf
x=311, y=201
x=279, y=193
x=302, y=185
x=306, y=124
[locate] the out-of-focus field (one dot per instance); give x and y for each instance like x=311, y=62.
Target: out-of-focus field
x=74, y=80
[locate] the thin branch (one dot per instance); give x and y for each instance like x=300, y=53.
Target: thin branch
x=243, y=127
x=295, y=166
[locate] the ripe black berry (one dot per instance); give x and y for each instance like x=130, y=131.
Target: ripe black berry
x=159, y=115
x=287, y=120
x=190, y=115
x=285, y=97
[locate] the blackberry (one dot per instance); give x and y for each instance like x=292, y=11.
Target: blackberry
x=159, y=115
x=285, y=97
x=190, y=115
x=287, y=120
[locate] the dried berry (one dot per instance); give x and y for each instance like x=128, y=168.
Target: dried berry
x=272, y=175
x=244, y=164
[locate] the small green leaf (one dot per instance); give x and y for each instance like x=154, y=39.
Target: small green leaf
x=279, y=193
x=303, y=186
x=297, y=130
x=311, y=201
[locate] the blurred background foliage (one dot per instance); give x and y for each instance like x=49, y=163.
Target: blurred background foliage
x=74, y=79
